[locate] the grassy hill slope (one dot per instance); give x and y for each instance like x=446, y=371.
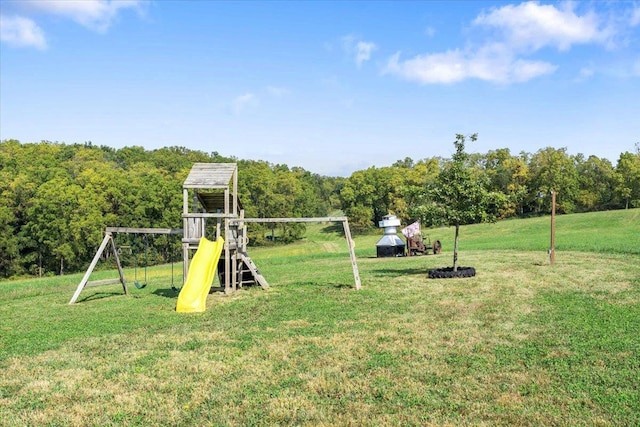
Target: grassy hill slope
x=608, y=232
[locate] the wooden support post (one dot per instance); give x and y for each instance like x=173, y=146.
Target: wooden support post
x=233, y=254
x=107, y=238
x=352, y=254
x=235, y=192
x=186, y=235
x=242, y=233
x=552, y=251
x=228, y=280
x=120, y=271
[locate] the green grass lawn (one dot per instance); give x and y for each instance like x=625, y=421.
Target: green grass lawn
x=522, y=343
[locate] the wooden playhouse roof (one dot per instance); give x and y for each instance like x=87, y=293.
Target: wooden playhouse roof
x=210, y=175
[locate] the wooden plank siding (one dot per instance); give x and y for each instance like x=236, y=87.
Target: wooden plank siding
x=210, y=175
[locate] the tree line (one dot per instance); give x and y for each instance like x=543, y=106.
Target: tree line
x=582, y=184
x=56, y=199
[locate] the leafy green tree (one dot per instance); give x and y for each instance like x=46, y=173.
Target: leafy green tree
x=596, y=183
x=255, y=188
x=379, y=189
x=507, y=174
x=457, y=197
x=518, y=184
x=9, y=245
x=360, y=218
x=276, y=191
x=418, y=176
x=553, y=169
x=359, y=192
x=19, y=193
x=51, y=211
x=627, y=179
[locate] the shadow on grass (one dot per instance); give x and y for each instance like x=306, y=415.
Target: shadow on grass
x=542, y=264
x=98, y=296
x=166, y=293
x=400, y=271
x=343, y=285
x=334, y=285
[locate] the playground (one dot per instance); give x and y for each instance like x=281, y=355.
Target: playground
x=210, y=192
x=521, y=343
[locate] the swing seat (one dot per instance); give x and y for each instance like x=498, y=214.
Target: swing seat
x=138, y=285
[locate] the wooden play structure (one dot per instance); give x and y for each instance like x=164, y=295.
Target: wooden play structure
x=210, y=192
x=211, y=209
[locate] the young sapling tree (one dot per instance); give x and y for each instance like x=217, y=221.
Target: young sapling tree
x=458, y=196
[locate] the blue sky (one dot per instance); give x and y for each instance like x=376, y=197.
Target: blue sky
x=332, y=87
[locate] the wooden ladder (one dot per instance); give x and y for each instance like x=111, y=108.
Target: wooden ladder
x=259, y=278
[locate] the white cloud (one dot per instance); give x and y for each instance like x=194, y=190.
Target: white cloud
x=531, y=25
x=360, y=50
x=518, y=31
x=21, y=32
x=491, y=63
x=97, y=15
x=522, y=70
x=244, y=102
x=363, y=51
x=448, y=67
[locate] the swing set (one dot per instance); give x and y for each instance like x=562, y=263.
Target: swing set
x=213, y=187
x=117, y=252
x=129, y=249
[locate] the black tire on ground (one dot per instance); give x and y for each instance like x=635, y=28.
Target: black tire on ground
x=448, y=273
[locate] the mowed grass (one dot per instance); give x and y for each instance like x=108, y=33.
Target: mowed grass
x=522, y=343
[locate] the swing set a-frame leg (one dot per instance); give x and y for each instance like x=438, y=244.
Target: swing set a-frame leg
x=83, y=283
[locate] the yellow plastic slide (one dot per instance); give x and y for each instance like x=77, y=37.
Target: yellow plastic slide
x=193, y=296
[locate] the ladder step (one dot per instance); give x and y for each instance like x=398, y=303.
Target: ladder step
x=247, y=272
x=244, y=276
x=254, y=270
